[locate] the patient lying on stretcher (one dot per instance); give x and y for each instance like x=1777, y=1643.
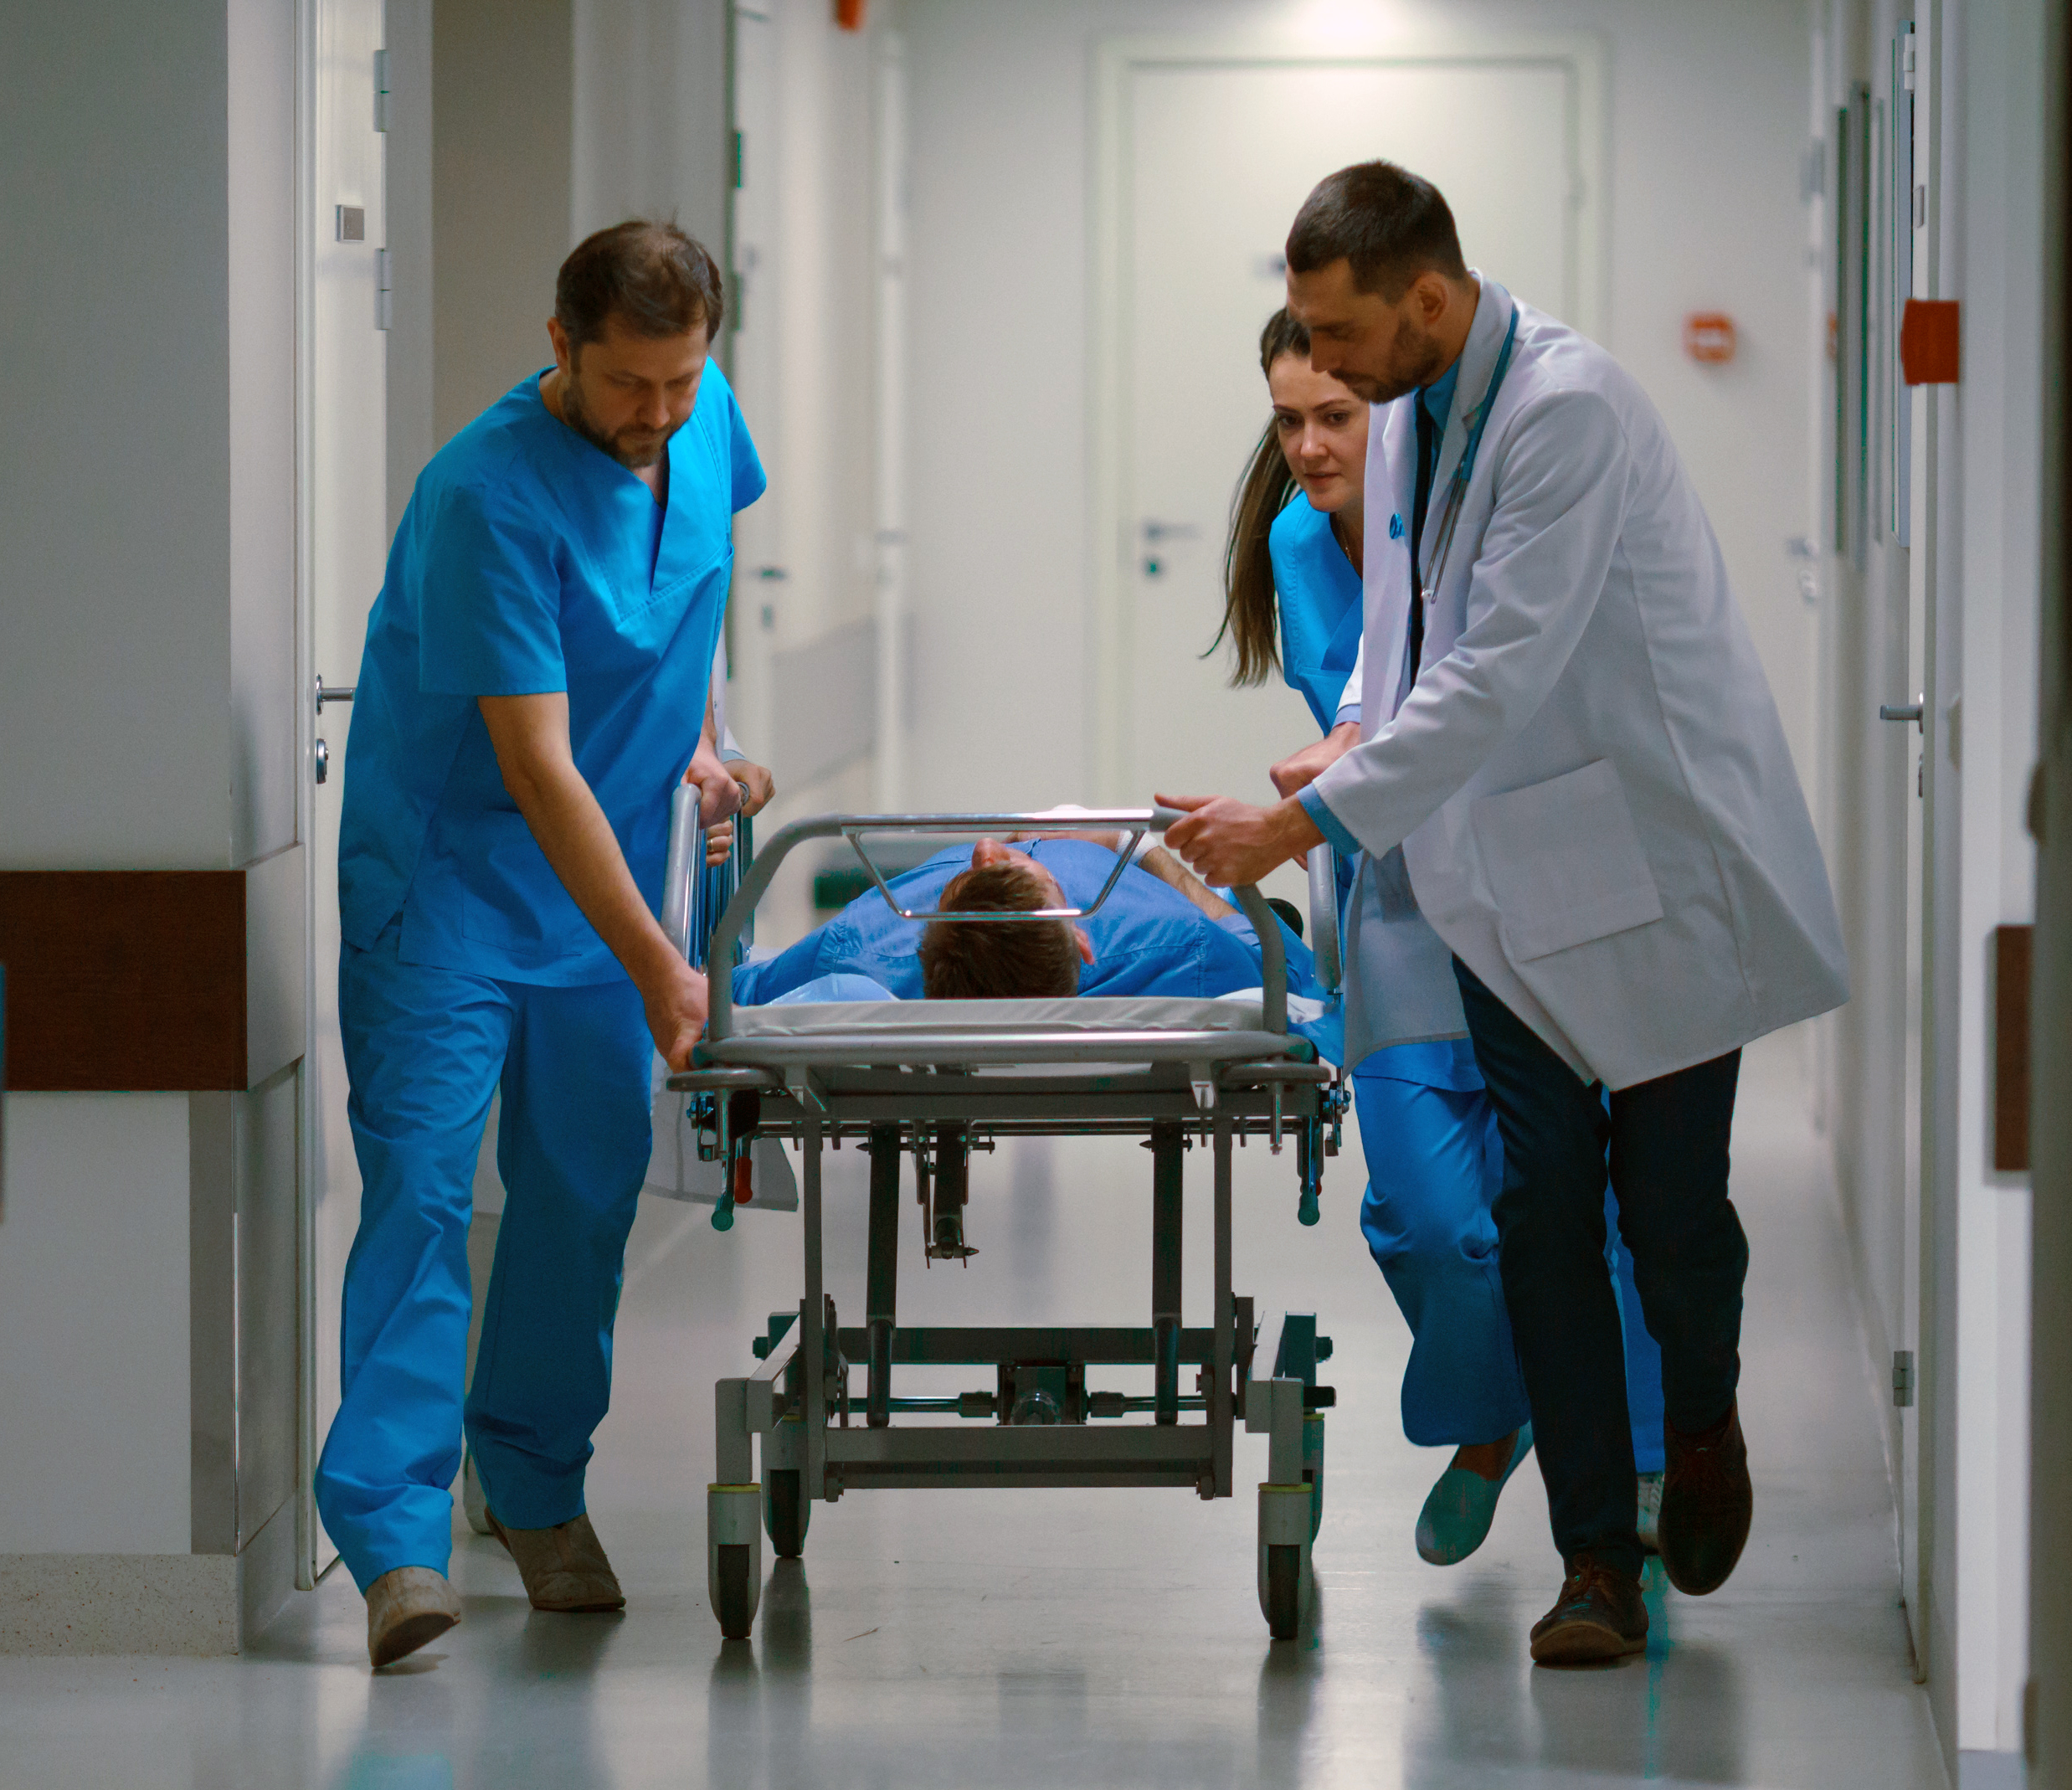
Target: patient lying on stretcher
x=1159, y=932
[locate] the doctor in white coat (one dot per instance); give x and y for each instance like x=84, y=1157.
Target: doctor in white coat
x=1582, y=835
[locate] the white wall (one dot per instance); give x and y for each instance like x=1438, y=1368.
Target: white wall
x=150, y=713
x=648, y=125
x=115, y=473
x=803, y=360
x=94, y=1325
x=1999, y=404
x=1704, y=214
x=500, y=146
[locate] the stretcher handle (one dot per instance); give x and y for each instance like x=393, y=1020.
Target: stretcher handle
x=1323, y=917
x=686, y=854
x=719, y=1020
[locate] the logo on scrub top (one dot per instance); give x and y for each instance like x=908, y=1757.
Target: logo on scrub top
x=1396, y=528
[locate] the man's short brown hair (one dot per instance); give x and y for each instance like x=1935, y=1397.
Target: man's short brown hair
x=1004, y=959
x=655, y=279
x=1390, y=225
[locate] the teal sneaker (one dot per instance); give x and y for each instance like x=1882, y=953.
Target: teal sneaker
x=1455, y=1520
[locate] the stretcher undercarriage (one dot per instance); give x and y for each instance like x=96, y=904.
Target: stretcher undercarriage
x=937, y=1083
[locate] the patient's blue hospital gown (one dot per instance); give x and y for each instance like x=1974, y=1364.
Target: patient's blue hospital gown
x=1434, y=1160
x=1148, y=938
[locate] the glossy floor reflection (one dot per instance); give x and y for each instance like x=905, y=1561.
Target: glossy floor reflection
x=1005, y=1638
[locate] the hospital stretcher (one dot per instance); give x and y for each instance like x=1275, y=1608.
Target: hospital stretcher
x=938, y=1081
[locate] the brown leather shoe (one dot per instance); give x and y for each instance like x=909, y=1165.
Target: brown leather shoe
x=1598, y=1617
x=563, y=1567
x=406, y=1608
x=1706, y=1505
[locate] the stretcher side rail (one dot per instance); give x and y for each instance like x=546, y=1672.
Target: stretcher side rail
x=853, y=828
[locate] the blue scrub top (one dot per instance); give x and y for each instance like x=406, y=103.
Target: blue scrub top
x=1148, y=938
x=1321, y=608
x=530, y=561
x=1322, y=614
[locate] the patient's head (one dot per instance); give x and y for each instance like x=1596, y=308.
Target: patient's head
x=1002, y=959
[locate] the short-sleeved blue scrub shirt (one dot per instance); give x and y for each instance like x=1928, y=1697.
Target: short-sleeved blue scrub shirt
x=1148, y=938
x=528, y=562
x=1321, y=613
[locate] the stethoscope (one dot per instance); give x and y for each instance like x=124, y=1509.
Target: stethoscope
x=1457, y=486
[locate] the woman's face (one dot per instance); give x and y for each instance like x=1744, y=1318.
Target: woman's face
x=1323, y=431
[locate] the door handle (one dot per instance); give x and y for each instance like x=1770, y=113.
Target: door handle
x=1911, y=711
x=1155, y=532
x=343, y=693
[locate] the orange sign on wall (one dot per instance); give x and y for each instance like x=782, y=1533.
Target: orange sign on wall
x=1709, y=337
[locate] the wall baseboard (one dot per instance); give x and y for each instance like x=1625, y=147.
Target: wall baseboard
x=119, y=1603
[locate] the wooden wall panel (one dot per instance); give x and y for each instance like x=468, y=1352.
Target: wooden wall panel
x=2010, y=958
x=124, y=980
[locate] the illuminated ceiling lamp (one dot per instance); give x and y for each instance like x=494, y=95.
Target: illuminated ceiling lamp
x=849, y=14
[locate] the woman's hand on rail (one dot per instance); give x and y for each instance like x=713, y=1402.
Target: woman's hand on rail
x=676, y=1001
x=760, y=788
x=1232, y=843
x=1299, y=769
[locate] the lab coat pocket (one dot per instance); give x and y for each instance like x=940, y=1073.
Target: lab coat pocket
x=1564, y=862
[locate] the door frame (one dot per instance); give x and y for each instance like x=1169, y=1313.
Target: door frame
x=306, y=1530
x=1580, y=55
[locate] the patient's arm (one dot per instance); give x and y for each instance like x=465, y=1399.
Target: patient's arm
x=1168, y=869
x=1156, y=859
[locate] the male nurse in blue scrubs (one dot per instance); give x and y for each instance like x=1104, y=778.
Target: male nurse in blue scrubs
x=536, y=680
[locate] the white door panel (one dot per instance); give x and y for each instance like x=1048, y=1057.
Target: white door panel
x=345, y=511
x=1208, y=158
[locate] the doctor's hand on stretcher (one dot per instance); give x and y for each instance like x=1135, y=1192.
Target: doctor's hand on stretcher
x=1230, y=841
x=530, y=735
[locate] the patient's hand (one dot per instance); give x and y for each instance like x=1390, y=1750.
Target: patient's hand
x=1299, y=769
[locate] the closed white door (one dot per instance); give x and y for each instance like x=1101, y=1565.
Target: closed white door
x=346, y=523
x=1208, y=158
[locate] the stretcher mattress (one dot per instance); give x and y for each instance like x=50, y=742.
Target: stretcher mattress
x=1064, y=1014
x=1122, y=1030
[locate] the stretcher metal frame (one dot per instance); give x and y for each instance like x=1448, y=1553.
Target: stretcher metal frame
x=938, y=1093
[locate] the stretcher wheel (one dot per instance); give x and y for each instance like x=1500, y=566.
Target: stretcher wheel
x=734, y=1601
x=1284, y=1569
x=1282, y=1596
x=786, y=1511
x=734, y=1556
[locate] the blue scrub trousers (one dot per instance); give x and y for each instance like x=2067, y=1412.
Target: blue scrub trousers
x=424, y=1049
x=1435, y=1166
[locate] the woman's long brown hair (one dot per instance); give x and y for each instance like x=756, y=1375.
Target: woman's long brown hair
x=1249, y=617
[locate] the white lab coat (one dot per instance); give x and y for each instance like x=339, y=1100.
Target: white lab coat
x=1596, y=807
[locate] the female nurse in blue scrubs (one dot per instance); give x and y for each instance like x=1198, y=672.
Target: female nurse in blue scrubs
x=536, y=680
x=1434, y=1162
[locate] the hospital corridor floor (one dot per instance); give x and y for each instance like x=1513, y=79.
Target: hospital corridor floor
x=1113, y=1638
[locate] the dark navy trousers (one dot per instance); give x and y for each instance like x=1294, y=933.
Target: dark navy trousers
x=1665, y=1144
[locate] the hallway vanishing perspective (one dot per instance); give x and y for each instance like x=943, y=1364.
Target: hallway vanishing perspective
x=1031, y=1637
x=454, y=445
